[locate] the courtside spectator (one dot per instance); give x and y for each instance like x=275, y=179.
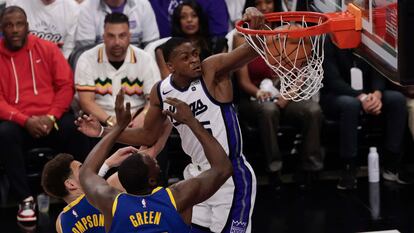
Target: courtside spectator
x=113, y=65
x=36, y=89
x=52, y=20
x=142, y=22
x=341, y=102
x=214, y=10
x=188, y=21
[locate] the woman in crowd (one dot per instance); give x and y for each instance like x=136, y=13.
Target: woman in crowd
x=189, y=22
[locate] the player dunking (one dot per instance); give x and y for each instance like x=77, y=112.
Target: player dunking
x=207, y=88
x=146, y=207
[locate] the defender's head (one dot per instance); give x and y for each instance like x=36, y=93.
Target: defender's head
x=116, y=36
x=15, y=27
x=139, y=174
x=182, y=57
x=60, y=176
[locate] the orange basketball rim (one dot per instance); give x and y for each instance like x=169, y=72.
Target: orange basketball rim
x=295, y=49
x=344, y=27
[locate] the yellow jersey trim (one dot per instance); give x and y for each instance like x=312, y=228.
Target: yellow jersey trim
x=115, y=204
x=73, y=203
x=171, y=197
x=156, y=190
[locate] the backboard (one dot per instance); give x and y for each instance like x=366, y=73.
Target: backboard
x=386, y=39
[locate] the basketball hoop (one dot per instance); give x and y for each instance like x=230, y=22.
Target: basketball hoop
x=295, y=49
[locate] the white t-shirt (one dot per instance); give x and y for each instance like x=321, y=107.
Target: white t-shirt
x=137, y=75
x=142, y=22
x=235, y=9
x=55, y=22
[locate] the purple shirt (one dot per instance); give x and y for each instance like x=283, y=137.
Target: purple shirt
x=216, y=10
x=119, y=9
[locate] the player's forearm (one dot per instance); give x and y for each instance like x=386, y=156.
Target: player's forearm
x=134, y=137
x=99, y=153
x=214, y=152
x=234, y=60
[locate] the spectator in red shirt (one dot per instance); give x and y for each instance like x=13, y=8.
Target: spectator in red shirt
x=36, y=89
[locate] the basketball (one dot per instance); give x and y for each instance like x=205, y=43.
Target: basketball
x=288, y=52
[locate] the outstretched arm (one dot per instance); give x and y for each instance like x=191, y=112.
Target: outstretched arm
x=96, y=189
x=223, y=63
x=146, y=135
x=151, y=130
x=190, y=192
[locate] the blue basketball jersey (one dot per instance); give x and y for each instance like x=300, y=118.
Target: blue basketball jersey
x=156, y=212
x=81, y=217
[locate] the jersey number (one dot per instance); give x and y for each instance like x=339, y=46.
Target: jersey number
x=206, y=125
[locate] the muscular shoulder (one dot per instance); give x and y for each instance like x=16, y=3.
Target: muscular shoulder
x=209, y=65
x=155, y=95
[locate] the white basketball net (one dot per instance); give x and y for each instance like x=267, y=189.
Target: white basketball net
x=298, y=81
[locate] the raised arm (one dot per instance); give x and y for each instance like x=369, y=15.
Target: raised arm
x=149, y=133
x=243, y=77
x=99, y=193
x=146, y=135
x=225, y=62
x=89, y=105
x=190, y=192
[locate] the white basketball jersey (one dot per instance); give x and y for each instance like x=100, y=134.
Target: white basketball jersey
x=218, y=118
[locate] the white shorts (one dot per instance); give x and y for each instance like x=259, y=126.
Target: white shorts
x=230, y=198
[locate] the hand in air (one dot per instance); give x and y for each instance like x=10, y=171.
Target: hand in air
x=88, y=125
x=254, y=17
x=182, y=112
x=123, y=112
x=120, y=155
